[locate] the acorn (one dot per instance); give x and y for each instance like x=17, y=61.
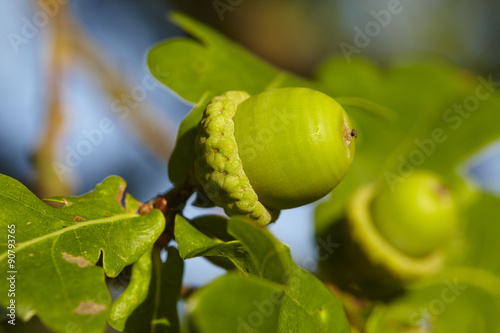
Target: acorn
x=417, y=216
x=390, y=237
x=279, y=149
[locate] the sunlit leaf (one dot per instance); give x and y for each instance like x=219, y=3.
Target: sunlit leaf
x=192, y=67
x=279, y=297
x=56, y=251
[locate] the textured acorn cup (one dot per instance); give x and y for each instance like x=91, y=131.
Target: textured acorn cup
x=392, y=236
x=417, y=216
x=279, y=149
x=365, y=263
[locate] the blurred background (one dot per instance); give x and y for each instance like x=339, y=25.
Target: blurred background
x=78, y=103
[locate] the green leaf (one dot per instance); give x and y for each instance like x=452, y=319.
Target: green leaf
x=457, y=301
x=131, y=203
x=280, y=297
x=211, y=63
x=135, y=294
x=271, y=257
x=213, y=226
x=426, y=131
x=235, y=303
x=200, y=69
x=423, y=97
x=253, y=251
x=182, y=158
x=56, y=251
x=149, y=304
x=310, y=306
x=193, y=242
x=478, y=245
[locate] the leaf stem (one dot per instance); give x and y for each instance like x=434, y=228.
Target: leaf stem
x=369, y=106
x=171, y=203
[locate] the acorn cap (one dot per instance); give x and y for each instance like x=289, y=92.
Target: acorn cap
x=363, y=262
x=218, y=167
x=378, y=251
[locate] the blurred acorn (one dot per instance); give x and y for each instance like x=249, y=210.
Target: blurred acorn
x=389, y=237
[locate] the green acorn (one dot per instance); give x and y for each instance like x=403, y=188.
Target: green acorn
x=280, y=149
x=417, y=216
x=392, y=236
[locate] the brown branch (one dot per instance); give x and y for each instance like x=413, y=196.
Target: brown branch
x=187, y=291
x=140, y=116
x=71, y=43
x=171, y=204
x=46, y=180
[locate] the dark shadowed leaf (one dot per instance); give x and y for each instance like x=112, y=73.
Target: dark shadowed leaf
x=193, y=242
x=182, y=158
x=456, y=301
x=149, y=304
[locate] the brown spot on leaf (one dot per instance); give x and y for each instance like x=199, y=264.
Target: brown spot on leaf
x=80, y=261
x=54, y=204
x=121, y=191
x=78, y=219
x=31, y=254
x=89, y=308
x=29, y=223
